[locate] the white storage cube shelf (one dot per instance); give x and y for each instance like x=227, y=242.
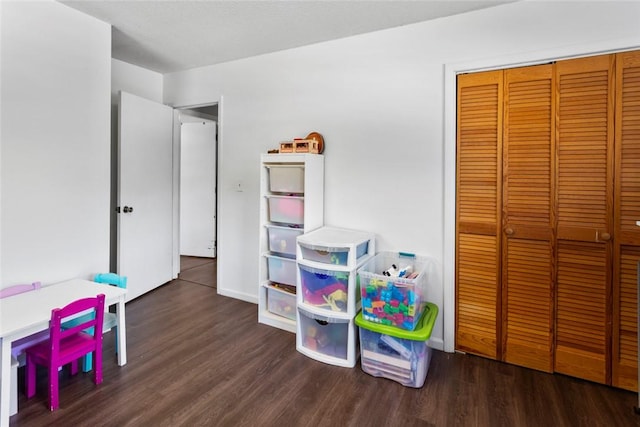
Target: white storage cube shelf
x=282, y=239
x=291, y=203
x=281, y=302
x=281, y=270
x=286, y=178
x=286, y=209
x=330, y=340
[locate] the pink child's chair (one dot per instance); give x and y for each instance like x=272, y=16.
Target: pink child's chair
x=66, y=346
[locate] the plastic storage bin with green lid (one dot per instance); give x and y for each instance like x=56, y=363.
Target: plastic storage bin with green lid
x=399, y=355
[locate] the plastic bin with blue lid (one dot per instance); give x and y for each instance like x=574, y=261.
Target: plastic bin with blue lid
x=396, y=354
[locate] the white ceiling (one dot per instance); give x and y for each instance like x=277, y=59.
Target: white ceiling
x=174, y=35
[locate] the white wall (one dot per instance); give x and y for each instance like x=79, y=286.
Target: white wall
x=378, y=100
x=54, y=169
x=136, y=80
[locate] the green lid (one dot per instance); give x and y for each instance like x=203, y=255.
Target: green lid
x=421, y=333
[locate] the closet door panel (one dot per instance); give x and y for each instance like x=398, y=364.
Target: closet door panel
x=527, y=273
x=627, y=210
x=584, y=141
x=625, y=342
x=477, y=294
x=528, y=336
x=581, y=335
x=479, y=154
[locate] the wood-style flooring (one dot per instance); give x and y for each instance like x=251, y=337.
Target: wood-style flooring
x=196, y=358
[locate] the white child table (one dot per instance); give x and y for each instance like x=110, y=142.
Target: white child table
x=30, y=312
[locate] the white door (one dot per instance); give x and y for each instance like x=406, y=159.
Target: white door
x=197, y=187
x=145, y=193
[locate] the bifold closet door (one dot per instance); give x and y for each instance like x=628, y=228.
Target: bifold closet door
x=626, y=237
x=546, y=238
x=584, y=216
x=478, y=206
x=528, y=225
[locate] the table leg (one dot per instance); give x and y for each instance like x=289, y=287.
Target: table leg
x=122, y=333
x=5, y=381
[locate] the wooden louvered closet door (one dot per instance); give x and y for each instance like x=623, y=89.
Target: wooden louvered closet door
x=527, y=248
x=584, y=216
x=478, y=197
x=626, y=242
x=547, y=245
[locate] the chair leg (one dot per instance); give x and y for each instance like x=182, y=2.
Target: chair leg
x=30, y=385
x=97, y=366
x=53, y=388
x=74, y=367
x=87, y=362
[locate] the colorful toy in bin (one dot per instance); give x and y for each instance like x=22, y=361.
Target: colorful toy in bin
x=386, y=303
x=333, y=296
x=316, y=339
x=393, y=296
x=324, y=288
x=400, y=355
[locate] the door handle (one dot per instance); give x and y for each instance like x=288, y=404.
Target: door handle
x=603, y=237
x=509, y=231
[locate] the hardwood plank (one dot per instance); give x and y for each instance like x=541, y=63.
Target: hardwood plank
x=198, y=270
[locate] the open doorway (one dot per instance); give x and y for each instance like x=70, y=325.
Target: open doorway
x=198, y=182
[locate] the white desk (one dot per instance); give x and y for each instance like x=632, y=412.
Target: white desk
x=24, y=314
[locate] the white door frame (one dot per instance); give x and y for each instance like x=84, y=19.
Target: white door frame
x=176, y=179
x=197, y=184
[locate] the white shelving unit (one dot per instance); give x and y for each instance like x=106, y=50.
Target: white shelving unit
x=291, y=203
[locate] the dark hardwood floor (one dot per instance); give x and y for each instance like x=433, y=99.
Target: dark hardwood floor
x=198, y=270
x=199, y=359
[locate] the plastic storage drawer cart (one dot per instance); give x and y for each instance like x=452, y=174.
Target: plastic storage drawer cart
x=336, y=246
x=396, y=354
x=331, y=340
x=328, y=259
x=333, y=291
x=394, y=299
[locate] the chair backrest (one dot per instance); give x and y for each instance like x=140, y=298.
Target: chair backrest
x=58, y=315
x=19, y=289
x=111, y=279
